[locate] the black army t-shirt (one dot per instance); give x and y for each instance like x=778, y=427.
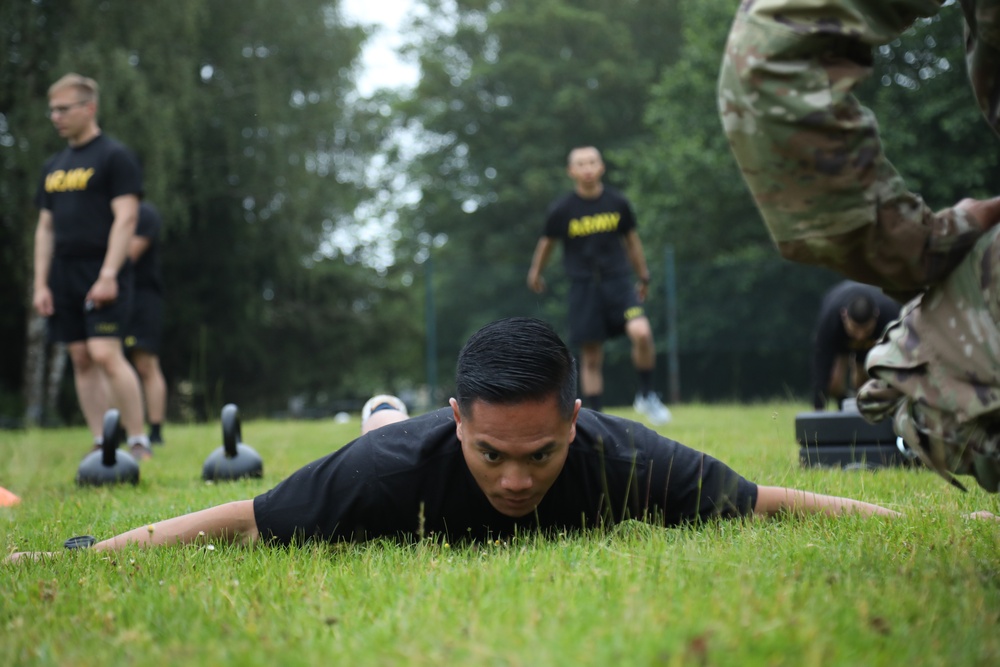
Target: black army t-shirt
x=77, y=186
x=410, y=479
x=592, y=232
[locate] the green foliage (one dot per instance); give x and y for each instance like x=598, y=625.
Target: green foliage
x=508, y=88
x=269, y=174
x=921, y=589
x=685, y=179
x=930, y=124
x=254, y=150
x=24, y=132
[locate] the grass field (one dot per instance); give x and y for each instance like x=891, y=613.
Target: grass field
x=921, y=590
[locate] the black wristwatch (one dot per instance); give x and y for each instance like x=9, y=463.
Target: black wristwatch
x=80, y=542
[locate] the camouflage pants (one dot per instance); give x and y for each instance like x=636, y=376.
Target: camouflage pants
x=810, y=152
x=936, y=370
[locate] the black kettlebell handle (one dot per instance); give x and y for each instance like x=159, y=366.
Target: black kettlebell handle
x=113, y=436
x=231, y=432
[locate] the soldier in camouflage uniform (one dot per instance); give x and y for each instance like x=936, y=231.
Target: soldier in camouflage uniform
x=936, y=370
x=811, y=153
x=812, y=158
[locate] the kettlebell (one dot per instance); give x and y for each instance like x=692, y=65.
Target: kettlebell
x=233, y=459
x=109, y=465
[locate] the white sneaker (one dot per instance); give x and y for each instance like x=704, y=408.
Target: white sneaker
x=138, y=447
x=375, y=402
x=652, y=409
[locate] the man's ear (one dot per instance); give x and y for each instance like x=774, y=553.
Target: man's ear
x=458, y=417
x=576, y=413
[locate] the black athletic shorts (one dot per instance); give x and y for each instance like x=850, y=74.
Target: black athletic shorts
x=145, y=326
x=599, y=308
x=72, y=321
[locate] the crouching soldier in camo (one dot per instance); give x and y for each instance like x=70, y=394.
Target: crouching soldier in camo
x=936, y=371
x=811, y=154
x=812, y=158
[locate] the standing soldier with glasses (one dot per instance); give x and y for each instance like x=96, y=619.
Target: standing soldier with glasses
x=89, y=201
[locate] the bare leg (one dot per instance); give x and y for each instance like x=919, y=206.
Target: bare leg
x=592, y=369
x=154, y=387
x=108, y=354
x=647, y=402
x=92, y=389
x=640, y=332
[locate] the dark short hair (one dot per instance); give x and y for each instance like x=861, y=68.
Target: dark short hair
x=569, y=156
x=515, y=360
x=861, y=309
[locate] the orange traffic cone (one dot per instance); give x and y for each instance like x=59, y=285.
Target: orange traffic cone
x=8, y=499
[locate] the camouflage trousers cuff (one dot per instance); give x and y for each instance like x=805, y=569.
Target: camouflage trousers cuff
x=944, y=444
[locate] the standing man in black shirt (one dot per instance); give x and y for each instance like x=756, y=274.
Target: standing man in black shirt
x=851, y=319
x=144, y=332
x=89, y=201
x=513, y=453
x=600, y=243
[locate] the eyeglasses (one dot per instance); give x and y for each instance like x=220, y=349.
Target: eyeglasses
x=64, y=108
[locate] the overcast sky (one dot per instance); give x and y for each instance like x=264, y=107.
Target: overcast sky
x=382, y=68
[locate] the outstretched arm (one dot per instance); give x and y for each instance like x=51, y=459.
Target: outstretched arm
x=774, y=499
x=232, y=522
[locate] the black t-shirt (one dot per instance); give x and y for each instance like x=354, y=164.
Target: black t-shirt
x=147, y=269
x=830, y=338
x=410, y=479
x=592, y=231
x=77, y=186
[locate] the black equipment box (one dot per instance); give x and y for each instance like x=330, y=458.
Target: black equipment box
x=841, y=428
x=845, y=440
x=849, y=457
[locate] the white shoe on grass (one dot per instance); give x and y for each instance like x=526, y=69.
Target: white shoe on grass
x=652, y=408
x=382, y=402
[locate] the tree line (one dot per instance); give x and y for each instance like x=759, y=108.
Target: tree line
x=267, y=165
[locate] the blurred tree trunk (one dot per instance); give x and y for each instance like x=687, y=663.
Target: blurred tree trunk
x=44, y=368
x=34, y=371
x=57, y=369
